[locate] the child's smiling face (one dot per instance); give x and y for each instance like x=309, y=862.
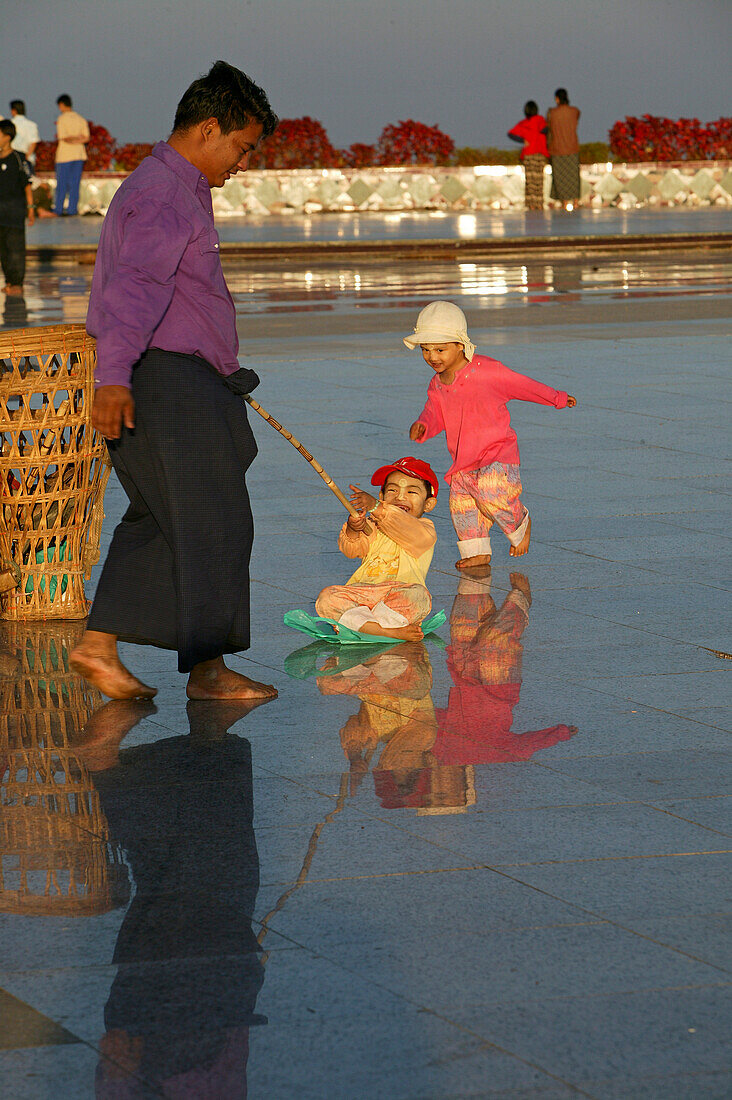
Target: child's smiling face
x=407, y=493
x=444, y=358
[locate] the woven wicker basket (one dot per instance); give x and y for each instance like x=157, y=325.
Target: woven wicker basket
x=56, y=855
x=53, y=472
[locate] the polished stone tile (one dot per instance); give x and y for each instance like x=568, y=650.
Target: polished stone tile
x=667, y=1031
x=49, y=1072
x=563, y=834
x=663, y=886
x=706, y=937
x=713, y=812
x=655, y=775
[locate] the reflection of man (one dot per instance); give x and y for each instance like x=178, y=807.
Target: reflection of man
x=72, y=132
x=168, y=399
x=188, y=963
x=26, y=132
x=484, y=659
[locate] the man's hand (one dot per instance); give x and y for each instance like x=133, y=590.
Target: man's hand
x=113, y=408
x=571, y=401
x=360, y=499
x=417, y=430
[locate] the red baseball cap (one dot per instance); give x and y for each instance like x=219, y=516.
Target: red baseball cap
x=413, y=467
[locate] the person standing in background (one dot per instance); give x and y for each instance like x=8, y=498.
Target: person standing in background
x=564, y=150
x=531, y=131
x=72, y=132
x=26, y=132
x=16, y=202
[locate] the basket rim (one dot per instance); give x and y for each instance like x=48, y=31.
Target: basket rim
x=46, y=339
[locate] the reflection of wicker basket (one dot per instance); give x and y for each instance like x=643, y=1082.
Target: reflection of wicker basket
x=56, y=856
x=53, y=472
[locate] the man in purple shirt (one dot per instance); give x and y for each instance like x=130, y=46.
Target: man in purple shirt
x=168, y=400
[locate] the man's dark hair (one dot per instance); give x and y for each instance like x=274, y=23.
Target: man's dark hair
x=530, y=108
x=17, y=105
x=561, y=95
x=64, y=101
x=228, y=95
x=7, y=127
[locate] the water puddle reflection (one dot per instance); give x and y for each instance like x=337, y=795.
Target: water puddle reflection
x=421, y=755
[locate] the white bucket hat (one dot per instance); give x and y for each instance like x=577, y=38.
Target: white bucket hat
x=441, y=322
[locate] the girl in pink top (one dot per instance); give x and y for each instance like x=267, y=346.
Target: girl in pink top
x=467, y=400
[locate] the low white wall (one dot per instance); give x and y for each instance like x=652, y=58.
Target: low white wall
x=481, y=188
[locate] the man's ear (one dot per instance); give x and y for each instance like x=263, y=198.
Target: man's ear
x=210, y=129
x=430, y=503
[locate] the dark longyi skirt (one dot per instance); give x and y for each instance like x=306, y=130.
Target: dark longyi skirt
x=566, y=177
x=534, y=165
x=177, y=572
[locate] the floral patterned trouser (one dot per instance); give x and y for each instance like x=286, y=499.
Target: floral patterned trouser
x=408, y=603
x=478, y=498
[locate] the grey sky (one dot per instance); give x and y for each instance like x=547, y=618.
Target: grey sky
x=356, y=65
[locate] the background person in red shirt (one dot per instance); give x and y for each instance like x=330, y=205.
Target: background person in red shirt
x=531, y=132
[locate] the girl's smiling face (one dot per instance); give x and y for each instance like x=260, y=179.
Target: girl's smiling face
x=445, y=359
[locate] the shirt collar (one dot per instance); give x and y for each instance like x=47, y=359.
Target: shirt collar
x=187, y=172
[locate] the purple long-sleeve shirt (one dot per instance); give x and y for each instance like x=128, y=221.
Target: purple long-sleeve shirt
x=158, y=280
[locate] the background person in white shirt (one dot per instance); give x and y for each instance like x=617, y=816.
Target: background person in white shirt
x=26, y=132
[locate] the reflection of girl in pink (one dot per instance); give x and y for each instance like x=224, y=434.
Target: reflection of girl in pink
x=484, y=659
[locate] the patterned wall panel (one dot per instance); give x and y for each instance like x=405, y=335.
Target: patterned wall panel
x=481, y=188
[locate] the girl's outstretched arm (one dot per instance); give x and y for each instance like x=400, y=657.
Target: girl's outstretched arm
x=519, y=387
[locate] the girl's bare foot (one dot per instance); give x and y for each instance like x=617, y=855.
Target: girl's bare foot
x=474, y=562
x=518, y=580
x=213, y=680
x=105, y=671
x=412, y=632
x=523, y=546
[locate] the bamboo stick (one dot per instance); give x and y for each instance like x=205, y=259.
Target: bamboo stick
x=305, y=454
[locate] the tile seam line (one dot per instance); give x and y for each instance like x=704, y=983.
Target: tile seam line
x=602, y=918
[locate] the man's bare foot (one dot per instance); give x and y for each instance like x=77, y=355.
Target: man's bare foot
x=210, y=719
x=105, y=671
x=97, y=744
x=523, y=546
x=213, y=680
x=474, y=562
x=412, y=632
x=518, y=580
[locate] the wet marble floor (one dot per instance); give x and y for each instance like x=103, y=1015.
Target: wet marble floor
x=488, y=865
x=424, y=225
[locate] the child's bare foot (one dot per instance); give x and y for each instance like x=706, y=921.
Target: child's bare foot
x=103, y=668
x=523, y=546
x=474, y=562
x=213, y=680
x=412, y=632
x=518, y=580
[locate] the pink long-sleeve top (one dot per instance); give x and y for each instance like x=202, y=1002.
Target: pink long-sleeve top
x=472, y=412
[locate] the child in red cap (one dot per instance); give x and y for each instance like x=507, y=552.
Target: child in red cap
x=387, y=595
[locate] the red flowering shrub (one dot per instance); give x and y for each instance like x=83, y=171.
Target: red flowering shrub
x=411, y=142
x=359, y=155
x=297, y=143
x=662, y=139
x=99, y=149
x=127, y=157
x=45, y=156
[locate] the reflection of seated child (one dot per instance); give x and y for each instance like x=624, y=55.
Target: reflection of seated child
x=386, y=595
